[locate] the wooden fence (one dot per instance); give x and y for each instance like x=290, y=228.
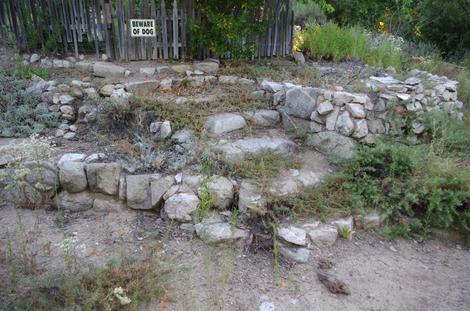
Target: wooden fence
x=103, y=26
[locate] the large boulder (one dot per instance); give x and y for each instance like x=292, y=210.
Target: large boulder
x=75, y=202
x=224, y=123
x=221, y=191
x=72, y=176
x=293, y=235
x=207, y=67
x=138, y=192
x=181, y=206
x=103, y=177
x=213, y=231
x=299, y=103
x=158, y=188
x=251, y=200
x=323, y=235
x=332, y=143
x=263, y=117
x=108, y=70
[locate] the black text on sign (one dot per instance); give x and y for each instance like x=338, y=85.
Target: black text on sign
x=142, y=27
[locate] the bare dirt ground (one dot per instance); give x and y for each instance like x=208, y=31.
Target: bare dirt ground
x=401, y=275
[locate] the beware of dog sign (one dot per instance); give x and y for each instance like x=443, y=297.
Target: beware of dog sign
x=143, y=28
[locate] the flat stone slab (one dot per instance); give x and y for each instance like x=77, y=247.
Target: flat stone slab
x=224, y=123
x=108, y=70
x=237, y=150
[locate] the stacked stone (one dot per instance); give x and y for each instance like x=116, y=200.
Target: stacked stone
x=342, y=117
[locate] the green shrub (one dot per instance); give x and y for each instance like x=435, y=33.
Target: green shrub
x=20, y=114
x=226, y=26
x=398, y=180
x=448, y=134
x=331, y=42
x=307, y=12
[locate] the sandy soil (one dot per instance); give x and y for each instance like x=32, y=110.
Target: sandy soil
x=402, y=275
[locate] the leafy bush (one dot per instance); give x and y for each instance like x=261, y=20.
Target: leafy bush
x=448, y=134
x=226, y=27
x=331, y=42
x=401, y=181
x=20, y=113
x=307, y=12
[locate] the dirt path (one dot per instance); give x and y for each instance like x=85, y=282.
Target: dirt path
x=402, y=275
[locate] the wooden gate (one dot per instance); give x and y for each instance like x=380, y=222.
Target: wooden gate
x=102, y=26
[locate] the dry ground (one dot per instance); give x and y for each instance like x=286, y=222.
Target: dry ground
x=401, y=275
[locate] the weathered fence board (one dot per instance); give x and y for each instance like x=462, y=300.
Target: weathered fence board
x=103, y=25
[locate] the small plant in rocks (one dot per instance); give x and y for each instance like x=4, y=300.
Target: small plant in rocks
x=20, y=114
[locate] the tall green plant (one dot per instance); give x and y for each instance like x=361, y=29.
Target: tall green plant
x=227, y=27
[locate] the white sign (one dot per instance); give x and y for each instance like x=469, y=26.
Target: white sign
x=143, y=28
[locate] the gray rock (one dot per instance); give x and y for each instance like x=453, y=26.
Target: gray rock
x=344, y=124
x=376, y=126
x=107, y=90
x=293, y=235
x=70, y=135
x=296, y=254
x=325, y=108
x=87, y=114
x=67, y=109
x=147, y=71
x=37, y=87
x=158, y=188
x=323, y=235
x=251, y=200
x=73, y=157
x=166, y=84
x=263, y=117
x=332, y=143
x=75, y=202
x=34, y=58
x=361, y=130
x=342, y=98
x=72, y=176
x=221, y=191
x=103, y=177
x=224, y=123
x=385, y=80
x=299, y=103
x=106, y=203
x=180, y=206
x=207, y=67
x=271, y=86
x=138, y=192
x=59, y=133
x=95, y=157
x=84, y=65
x=108, y=70
x=181, y=68
x=356, y=110
x=215, y=231
x=183, y=136
x=256, y=145
x=161, y=130
x=228, y=80
x=369, y=221
x=299, y=58
x=330, y=121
